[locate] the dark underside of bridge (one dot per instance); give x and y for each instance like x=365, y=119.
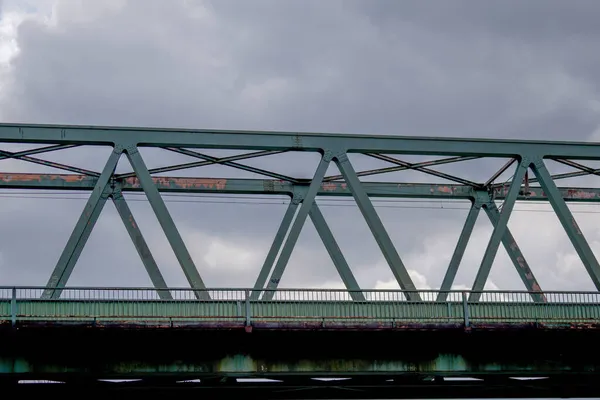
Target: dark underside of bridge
x=442, y=363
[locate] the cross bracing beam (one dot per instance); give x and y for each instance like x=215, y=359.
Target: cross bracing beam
x=298, y=141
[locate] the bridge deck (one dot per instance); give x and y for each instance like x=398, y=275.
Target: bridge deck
x=383, y=346
x=297, y=309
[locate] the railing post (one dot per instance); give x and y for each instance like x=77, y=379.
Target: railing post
x=13, y=307
x=247, y=312
x=465, y=310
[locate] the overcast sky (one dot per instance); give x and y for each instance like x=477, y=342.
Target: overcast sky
x=496, y=69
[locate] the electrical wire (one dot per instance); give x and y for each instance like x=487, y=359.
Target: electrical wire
x=268, y=200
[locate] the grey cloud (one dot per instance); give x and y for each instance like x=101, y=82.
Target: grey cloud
x=465, y=69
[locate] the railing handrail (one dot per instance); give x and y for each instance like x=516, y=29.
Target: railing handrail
x=291, y=290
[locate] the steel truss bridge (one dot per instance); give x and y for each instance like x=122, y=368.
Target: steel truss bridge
x=407, y=343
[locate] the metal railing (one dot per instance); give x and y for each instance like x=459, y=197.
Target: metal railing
x=296, y=306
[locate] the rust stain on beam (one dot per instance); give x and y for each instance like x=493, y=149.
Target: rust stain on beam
x=29, y=177
x=183, y=183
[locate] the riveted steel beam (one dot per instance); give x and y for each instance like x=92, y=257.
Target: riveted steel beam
x=261, y=140
x=335, y=253
x=376, y=226
x=164, y=218
x=284, y=226
x=271, y=186
x=83, y=228
x=515, y=254
x=297, y=225
x=567, y=220
x=499, y=230
x=459, y=251
x=140, y=243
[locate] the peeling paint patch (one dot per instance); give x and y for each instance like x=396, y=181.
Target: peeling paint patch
x=580, y=194
x=333, y=186
x=28, y=177
x=181, y=183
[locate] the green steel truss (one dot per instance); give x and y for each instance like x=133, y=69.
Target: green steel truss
x=523, y=157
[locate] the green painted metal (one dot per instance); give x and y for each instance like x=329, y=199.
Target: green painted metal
x=425, y=170
x=236, y=165
x=297, y=225
x=258, y=140
x=499, y=230
x=326, y=307
x=84, y=227
x=568, y=221
x=139, y=242
x=334, y=147
x=402, y=167
x=277, y=187
x=165, y=220
x=515, y=254
x=265, y=270
x=459, y=251
x=376, y=226
x=335, y=252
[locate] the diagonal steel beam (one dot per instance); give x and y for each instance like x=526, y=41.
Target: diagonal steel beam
x=140, y=243
x=515, y=254
x=584, y=171
x=568, y=221
x=288, y=217
x=376, y=226
x=7, y=154
x=500, y=172
x=335, y=253
x=82, y=229
x=233, y=164
x=459, y=251
x=39, y=150
x=585, y=168
x=425, y=170
x=167, y=224
x=297, y=225
x=499, y=231
x=377, y=171
x=197, y=164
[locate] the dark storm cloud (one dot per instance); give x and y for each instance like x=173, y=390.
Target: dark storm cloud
x=495, y=69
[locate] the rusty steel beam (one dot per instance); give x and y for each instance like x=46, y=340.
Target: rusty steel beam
x=272, y=186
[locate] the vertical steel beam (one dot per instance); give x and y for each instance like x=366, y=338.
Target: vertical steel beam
x=459, y=251
x=499, y=230
x=83, y=228
x=167, y=223
x=297, y=225
x=288, y=217
x=515, y=254
x=567, y=220
x=140, y=243
x=335, y=253
x=376, y=226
